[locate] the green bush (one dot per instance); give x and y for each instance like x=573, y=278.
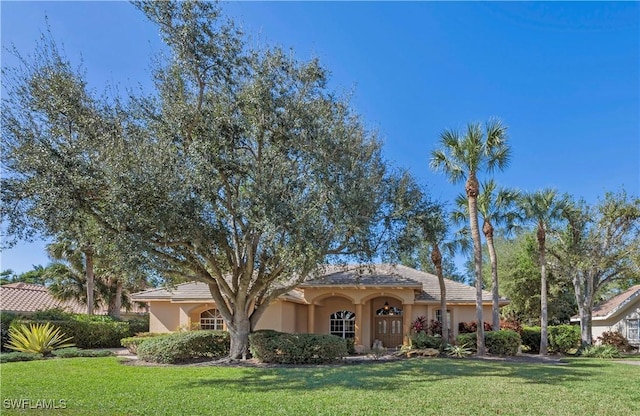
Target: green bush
x=563, y=338
x=421, y=340
x=503, y=342
x=5, y=322
x=138, y=325
x=531, y=338
x=283, y=348
x=601, y=351
x=185, y=346
x=132, y=343
x=103, y=332
x=9, y=357
x=468, y=339
x=73, y=352
x=351, y=346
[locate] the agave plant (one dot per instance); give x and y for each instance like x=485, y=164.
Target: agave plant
x=459, y=351
x=37, y=338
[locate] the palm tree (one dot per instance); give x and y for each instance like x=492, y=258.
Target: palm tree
x=496, y=207
x=462, y=156
x=543, y=209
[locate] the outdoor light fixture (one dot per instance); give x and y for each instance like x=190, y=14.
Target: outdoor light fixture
x=386, y=306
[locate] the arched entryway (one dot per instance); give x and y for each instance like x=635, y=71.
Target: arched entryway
x=387, y=325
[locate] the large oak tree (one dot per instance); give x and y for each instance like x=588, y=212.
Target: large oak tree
x=241, y=170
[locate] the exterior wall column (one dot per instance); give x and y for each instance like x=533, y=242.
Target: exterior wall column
x=358, y=337
x=407, y=318
x=311, y=318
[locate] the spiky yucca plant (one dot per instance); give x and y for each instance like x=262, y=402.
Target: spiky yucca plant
x=37, y=338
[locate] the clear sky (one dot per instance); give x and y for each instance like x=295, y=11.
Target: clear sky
x=565, y=77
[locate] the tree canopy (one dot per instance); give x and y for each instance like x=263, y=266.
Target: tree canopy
x=241, y=170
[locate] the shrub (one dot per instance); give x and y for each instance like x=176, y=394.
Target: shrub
x=5, y=322
x=435, y=328
x=420, y=324
x=185, y=346
x=563, y=338
x=531, y=338
x=283, y=348
x=53, y=314
x=9, y=357
x=132, y=343
x=138, y=325
x=468, y=340
x=601, y=351
x=512, y=325
x=73, y=352
x=37, y=338
x=615, y=339
x=469, y=327
x=351, y=346
x=92, y=332
x=503, y=342
x=422, y=340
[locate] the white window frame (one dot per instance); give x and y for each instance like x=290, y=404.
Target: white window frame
x=212, y=322
x=633, y=325
x=343, y=324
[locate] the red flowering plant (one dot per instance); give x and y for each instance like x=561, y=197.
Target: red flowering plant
x=420, y=324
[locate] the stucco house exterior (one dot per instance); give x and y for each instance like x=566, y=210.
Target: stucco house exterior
x=620, y=313
x=366, y=303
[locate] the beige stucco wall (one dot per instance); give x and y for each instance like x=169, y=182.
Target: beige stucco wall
x=163, y=317
x=618, y=322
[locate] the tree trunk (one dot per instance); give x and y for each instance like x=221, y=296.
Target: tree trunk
x=88, y=253
x=436, y=258
x=584, y=300
x=239, y=331
x=472, y=187
x=544, y=340
x=115, y=303
x=487, y=228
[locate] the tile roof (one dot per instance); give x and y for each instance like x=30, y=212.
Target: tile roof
x=614, y=305
x=380, y=275
x=26, y=297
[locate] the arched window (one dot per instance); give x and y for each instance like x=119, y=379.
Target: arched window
x=343, y=324
x=211, y=319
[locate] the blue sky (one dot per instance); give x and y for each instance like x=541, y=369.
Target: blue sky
x=565, y=77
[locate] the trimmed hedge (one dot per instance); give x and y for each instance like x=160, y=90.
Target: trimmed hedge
x=562, y=338
x=531, y=338
x=282, y=348
x=5, y=322
x=10, y=357
x=90, y=331
x=73, y=352
x=132, y=343
x=421, y=340
x=185, y=346
x=503, y=342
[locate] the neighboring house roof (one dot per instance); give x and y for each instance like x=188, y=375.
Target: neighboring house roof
x=426, y=285
x=26, y=297
x=614, y=305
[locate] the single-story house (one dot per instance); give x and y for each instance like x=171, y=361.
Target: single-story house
x=26, y=298
x=366, y=303
x=620, y=313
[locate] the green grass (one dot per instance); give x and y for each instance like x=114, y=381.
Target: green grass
x=103, y=386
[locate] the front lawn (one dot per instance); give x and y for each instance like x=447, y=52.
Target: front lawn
x=104, y=386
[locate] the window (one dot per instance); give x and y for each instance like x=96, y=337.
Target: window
x=343, y=324
x=211, y=319
x=633, y=330
x=439, y=317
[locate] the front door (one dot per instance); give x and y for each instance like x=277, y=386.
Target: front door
x=388, y=329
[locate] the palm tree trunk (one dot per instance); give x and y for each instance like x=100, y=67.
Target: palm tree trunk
x=487, y=228
x=88, y=253
x=472, y=187
x=436, y=258
x=544, y=343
